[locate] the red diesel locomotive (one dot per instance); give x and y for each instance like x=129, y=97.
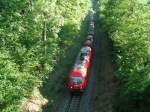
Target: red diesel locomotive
x=77, y=79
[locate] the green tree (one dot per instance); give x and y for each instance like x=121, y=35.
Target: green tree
x=32, y=33
x=127, y=23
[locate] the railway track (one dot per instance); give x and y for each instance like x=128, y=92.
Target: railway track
x=74, y=103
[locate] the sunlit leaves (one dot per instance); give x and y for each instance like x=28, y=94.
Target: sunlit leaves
x=32, y=35
x=127, y=23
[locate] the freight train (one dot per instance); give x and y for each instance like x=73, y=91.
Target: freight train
x=77, y=79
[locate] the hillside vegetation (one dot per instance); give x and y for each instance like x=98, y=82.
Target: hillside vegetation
x=127, y=23
x=33, y=35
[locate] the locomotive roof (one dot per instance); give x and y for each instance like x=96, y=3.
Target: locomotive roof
x=78, y=72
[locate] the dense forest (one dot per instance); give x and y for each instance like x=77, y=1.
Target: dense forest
x=36, y=34
x=33, y=35
x=127, y=24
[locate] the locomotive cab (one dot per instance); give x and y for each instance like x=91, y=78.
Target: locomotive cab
x=77, y=83
x=76, y=80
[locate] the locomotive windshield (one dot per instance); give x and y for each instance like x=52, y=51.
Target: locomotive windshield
x=76, y=79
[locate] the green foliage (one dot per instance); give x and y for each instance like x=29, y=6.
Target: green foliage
x=127, y=23
x=32, y=35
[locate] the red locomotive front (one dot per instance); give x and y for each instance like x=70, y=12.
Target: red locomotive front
x=77, y=79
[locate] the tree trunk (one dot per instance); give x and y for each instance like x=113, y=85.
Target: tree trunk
x=44, y=36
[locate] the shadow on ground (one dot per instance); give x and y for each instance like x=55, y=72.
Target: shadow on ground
x=104, y=85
